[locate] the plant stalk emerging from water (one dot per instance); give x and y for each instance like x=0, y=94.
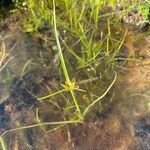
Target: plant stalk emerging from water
x=3, y=146
x=69, y=83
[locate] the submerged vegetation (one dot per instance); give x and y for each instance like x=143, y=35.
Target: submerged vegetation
x=87, y=41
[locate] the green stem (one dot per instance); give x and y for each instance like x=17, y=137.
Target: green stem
x=50, y=95
x=99, y=98
x=37, y=125
x=59, y=47
x=108, y=36
x=63, y=62
x=76, y=104
x=3, y=146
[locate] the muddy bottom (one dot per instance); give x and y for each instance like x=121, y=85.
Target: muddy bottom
x=29, y=70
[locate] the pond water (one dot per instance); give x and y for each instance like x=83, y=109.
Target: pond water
x=28, y=69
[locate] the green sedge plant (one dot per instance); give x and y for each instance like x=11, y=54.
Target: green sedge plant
x=69, y=86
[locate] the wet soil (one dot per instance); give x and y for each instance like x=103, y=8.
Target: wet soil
x=30, y=66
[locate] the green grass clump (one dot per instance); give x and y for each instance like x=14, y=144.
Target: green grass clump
x=70, y=85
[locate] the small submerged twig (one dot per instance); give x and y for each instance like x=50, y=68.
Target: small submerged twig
x=3, y=48
x=87, y=80
x=4, y=99
x=25, y=66
x=1, y=68
x=4, y=55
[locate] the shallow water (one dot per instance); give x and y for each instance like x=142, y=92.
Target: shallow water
x=120, y=122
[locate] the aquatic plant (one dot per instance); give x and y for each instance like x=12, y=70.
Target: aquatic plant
x=81, y=19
